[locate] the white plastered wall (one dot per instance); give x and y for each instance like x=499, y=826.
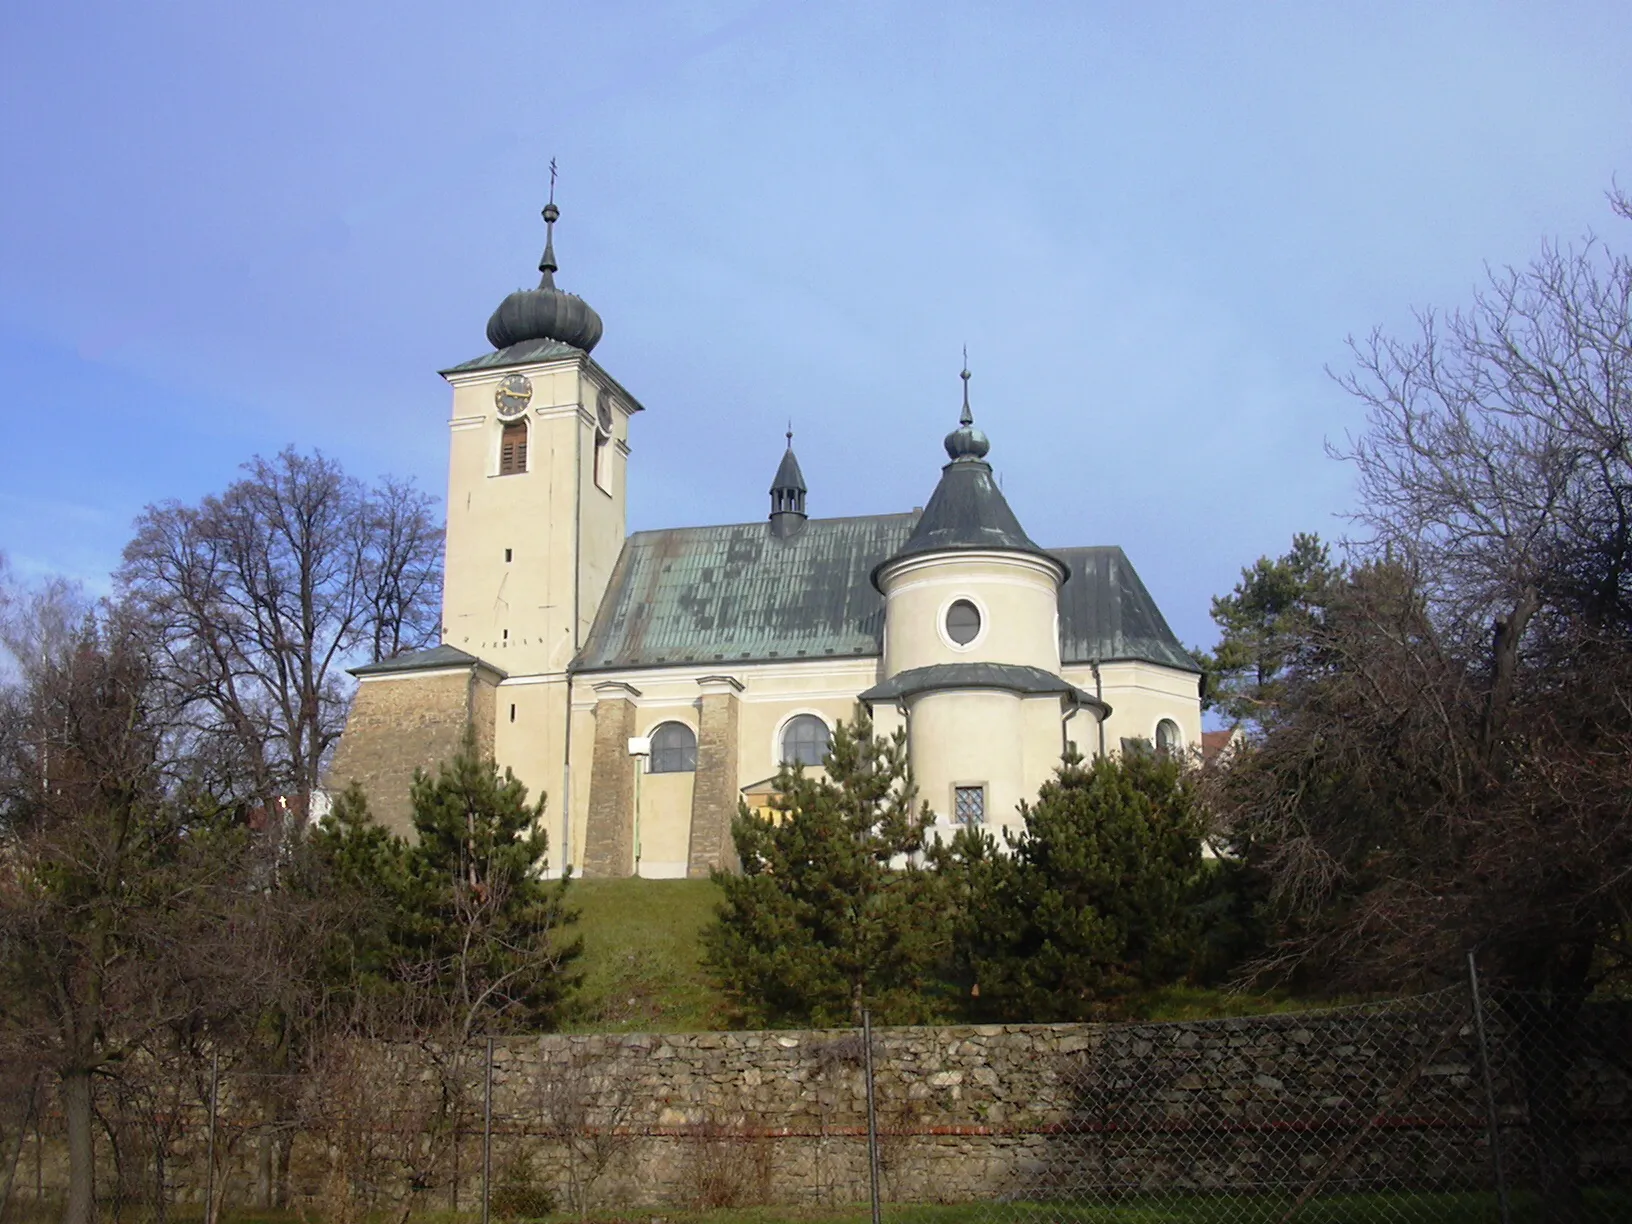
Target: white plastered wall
x=1018, y=600
x=771, y=694
x=1140, y=696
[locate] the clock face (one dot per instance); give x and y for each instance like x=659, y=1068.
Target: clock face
x=603, y=414
x=512, y=394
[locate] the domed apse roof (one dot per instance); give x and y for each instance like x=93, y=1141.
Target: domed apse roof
x=968, y=511
x=545, y=313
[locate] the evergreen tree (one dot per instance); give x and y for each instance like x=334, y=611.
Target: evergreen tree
x=832, y=914
x=1262, y=622
x=476, y=919
x=351, y=874
x=1092, y=902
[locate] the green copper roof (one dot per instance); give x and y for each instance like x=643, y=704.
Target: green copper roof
x=525, y=353
x=728, y=594
x=739, y=593
x=531, y=352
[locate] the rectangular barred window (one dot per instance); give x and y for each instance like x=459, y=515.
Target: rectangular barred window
x=513, y=448
x=969, y=805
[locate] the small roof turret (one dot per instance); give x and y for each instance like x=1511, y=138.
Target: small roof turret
x=967, y=511
x=545, y=313
x=788, y=494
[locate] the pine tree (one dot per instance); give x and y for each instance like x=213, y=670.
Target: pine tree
x=832, y=913
x=476, y=920
x=351, y=875
x=1261, y=622
x=1093, y=901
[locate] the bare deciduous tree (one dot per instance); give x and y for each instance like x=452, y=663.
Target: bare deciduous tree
x=1451, y=766
x=259, y=599
x=122, y=915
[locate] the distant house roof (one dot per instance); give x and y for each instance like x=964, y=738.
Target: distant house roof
x=434, y=659
x=738, y=593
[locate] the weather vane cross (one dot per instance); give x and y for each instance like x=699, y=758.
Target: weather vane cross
x=968, y=418
x=552, y=180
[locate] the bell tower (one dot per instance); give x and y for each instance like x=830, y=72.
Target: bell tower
x=538, y=451
x=537, y=463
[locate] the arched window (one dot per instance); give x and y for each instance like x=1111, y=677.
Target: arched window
x=513, y=448
x=963, y=622
x=1168, y=739
x=805, y=740
x=674, y=749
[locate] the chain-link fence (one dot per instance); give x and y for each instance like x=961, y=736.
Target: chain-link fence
x=1443, y=1107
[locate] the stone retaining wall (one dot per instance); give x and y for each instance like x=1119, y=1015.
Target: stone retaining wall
x=1385, y=1097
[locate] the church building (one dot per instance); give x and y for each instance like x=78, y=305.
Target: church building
x=649, y=683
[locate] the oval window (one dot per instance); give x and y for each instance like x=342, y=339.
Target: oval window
x=962, y=622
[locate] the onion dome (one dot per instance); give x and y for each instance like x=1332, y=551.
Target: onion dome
x=967, y=511
x=545, y=313
x=788, y=495
x=966, y=443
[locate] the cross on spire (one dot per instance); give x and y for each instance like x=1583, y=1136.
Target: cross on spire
x=546, y=263
x=968, y=418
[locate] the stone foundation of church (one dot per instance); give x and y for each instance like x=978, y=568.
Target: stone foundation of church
x=407, y=723
x=609, y=835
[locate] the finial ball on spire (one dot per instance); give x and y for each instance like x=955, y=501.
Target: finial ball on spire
x=966, y=442
x=545, y=313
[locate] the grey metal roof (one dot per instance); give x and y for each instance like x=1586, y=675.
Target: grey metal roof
x=1008, y=677
x=739, y=593
x=736, y=593
x=1106, y=614
x=529, y=352
x=523, y=353
x=435, y=658
x=966, y=511
x=788, y=475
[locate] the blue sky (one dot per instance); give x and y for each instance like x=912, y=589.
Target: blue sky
x=228, y=228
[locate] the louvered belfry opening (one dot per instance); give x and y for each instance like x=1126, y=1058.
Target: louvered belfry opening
x=513, y=448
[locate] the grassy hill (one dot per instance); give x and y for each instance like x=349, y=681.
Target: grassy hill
x=642, y=957
x=643, y=969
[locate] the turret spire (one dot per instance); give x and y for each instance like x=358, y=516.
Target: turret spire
x=546, y=263
x=968, y=418
x=788, y=495
x=966, y=443
x=545, y=314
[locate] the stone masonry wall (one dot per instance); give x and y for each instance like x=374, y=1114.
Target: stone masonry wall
x=714, y=795
x=1355, y=1100
x=402, y=724
x=609, y=833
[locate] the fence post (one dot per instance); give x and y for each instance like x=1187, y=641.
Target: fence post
x=872, y=1112
x=1492, y=1122
x=487, y=1134
x=209, y=1141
